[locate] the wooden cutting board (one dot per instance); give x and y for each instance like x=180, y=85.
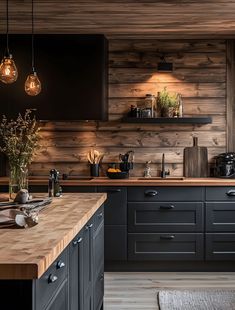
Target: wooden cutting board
x=195, y=160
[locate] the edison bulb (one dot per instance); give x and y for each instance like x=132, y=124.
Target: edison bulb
x=32, y=85
x=8, y=70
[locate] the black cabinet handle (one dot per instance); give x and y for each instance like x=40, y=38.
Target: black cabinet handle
x=52, y=278
x=169, y=207
x=150, y=193
x=167, y=237
x=100, y=215
x=89, y=226
x=60, y=264
x=116, y=190
x=79, y=240
x=231, y=193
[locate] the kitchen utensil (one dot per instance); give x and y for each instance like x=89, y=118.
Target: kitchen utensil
x=94, y=157
x=195, y=160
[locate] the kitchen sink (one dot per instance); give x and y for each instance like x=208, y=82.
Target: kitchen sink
x=161, y=179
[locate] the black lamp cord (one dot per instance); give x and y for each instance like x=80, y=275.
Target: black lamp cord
x=32, y=41
x=7, y=31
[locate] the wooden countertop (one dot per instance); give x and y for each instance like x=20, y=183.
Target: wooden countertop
x=27, y=253
x=104, y=181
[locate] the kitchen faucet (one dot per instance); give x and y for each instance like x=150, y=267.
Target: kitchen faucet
x=164, y=173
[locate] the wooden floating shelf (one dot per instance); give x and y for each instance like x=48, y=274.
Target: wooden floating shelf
x=169, y=120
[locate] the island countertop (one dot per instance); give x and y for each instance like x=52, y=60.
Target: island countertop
x=27, y=253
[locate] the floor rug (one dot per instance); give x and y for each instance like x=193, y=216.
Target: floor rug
x=209, y=299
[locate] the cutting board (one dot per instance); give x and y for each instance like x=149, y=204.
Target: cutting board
x=195, y=160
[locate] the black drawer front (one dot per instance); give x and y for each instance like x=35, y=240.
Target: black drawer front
x=115, y=243
x=170, y=246
x=220, y=217
x=50, y=281
x=164, y=217
x=165, y=194
x=220, y=193
x=115, y=205
x=220, y=246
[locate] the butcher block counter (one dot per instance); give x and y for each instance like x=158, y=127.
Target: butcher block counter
x=132, y=181
x=27, y=253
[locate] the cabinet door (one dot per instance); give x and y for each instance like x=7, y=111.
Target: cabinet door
x=220, y=246
x=115, y=211
x=220, y=217
x=115, y=242
x=165, y=246
x=76, y=273
x=87, y=264
x=60, y=300
x=164, y=217
x=98, y=265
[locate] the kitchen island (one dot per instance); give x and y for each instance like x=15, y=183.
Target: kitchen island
x=57, y=264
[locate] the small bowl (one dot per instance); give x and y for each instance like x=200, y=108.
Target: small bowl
x=118, y=175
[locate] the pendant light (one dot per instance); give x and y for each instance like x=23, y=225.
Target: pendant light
x=32, y=84
x=8, y=70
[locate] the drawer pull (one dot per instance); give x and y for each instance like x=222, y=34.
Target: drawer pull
x=150, y=193
x=169, y=207
x=60, y=264
x=167, y=237
x=79, y=240
x=52, y=278
x=100, y=215
x=117, y=190
x=231, y=193
x=91, y=225
x=102, y=277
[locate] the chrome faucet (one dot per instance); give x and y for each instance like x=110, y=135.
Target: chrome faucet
x=164, y=173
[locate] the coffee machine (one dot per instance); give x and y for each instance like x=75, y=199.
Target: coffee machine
x=225, y=165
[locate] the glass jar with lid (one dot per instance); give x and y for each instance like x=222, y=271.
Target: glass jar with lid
x=150, y=103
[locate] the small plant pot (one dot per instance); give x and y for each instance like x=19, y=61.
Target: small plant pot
x=94, y=170
x=168, y=112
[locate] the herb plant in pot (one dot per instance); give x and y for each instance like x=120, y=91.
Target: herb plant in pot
x=167, y=103
x=19, y=142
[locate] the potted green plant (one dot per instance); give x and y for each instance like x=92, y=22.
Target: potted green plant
x=19, y=142
x=167, y=103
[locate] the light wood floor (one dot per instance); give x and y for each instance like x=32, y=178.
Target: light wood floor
x=138, y=291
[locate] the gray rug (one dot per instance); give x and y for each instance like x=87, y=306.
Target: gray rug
x=196, y=299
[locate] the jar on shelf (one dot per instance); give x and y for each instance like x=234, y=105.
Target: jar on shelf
x=150, y=103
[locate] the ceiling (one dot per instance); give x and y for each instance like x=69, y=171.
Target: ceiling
x=125, y=18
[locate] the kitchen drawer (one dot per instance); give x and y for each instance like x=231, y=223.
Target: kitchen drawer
x=154, y=193
x=115, y=242
x=216, y=193
x=164, y=217
x=220, y=217
x=165, y=246
x=115, y=206
x=50, y=281
x=98, y=218
x=220, y=246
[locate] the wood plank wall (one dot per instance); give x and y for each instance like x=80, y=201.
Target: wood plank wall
x=199, y=74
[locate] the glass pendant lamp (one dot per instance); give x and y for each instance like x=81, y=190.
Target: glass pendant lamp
x=8, y=70
x=32, y=84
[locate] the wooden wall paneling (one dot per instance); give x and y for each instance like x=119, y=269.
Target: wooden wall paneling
x=200, y=75
x=230, y=95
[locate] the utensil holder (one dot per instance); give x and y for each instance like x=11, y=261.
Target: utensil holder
x=94, y=170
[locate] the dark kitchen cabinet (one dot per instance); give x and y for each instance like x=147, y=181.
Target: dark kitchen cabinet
x=165, y=246
x=165, y=217
x=220, y=246
x=74, y=281
x=115, y=239
x=76, y=262
x=115, y=221
x=60, y=300
x=220, y=217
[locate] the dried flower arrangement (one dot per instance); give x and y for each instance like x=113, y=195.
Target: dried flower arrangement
x=19, y=141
